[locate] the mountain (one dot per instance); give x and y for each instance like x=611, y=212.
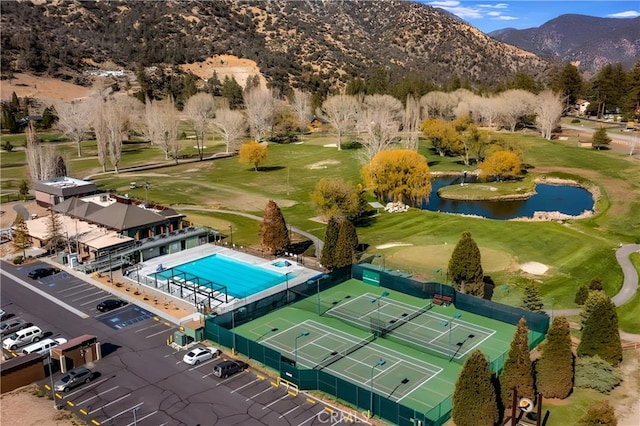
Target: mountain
x=303, y=43
x=585, y=41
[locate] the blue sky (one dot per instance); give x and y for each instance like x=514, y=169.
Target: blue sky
x=494, y=15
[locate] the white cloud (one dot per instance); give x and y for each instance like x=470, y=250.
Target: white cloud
x=626, y=14
x=506, y=18
x=494, y=6
x=455, y=8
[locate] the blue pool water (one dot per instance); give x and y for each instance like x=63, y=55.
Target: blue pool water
x=241, y=279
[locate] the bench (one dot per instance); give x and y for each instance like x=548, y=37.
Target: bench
x=439, y=299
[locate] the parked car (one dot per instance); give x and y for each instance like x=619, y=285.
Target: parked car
x=227, y=368
x=3, y=315
x=42, y=347
x=12, y=325
x=22, y=337
x=72, y=379
x=42, y=272
x=197, y=355
x=110, y=304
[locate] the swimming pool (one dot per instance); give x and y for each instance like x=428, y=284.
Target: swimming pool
x=241, y=279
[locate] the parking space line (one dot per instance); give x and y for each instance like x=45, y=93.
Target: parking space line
x=310, y=418
x=258, y=394
x=122, y=412
x=72, y=288
x=89, y=288
x=147, y=328
x=92, y=301
x=142, y=418
x=97, y=395
x=290, y=411
x=91, y=386
x=210, y=374
x=277, y=400
x=88, y=295
x=155, y=334
x=245, y=385
x=202, y=364
x=112, y=402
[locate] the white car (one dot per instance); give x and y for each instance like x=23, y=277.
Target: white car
x=43, y=346
x=197, y=355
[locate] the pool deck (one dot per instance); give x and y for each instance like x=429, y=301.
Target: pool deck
x=294, y=273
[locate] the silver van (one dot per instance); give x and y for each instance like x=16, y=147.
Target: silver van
x=22, y=337
x=42, y=347
x=225, y=369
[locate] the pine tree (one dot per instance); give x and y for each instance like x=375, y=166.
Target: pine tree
x=54, y=231
x=531, y=299
x=581, y=295
x=601, y=414
x=554, y=369
x=21, y=238
x=474, y=397
x=596, y=284
x=600, y=334
x=600, y=138
x=273, y=229
x=23, y=189
x=518, y=372
x=328, y=255
x=345, y=245
x=465, y=268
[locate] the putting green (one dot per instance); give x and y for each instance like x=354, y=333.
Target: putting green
x=437, y=256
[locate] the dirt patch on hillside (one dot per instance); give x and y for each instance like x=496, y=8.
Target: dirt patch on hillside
x=226, y=65
x=44, y=88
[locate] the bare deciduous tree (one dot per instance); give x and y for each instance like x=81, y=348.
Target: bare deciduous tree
x=73, y=120
x=514, y=105
x=378, y=122
x=484, y=110
x=411, y=122
x=437, y=104
x=115, y=122
x=100, y=129
x=162, y=119
x=230, y=125
x=340, y=111
x=548, y=109
x=200, y=110
x=41, y=160
x=301, y=107
x=260, y=106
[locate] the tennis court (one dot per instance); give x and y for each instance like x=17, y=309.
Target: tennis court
x=437, y=334
x=389, y=373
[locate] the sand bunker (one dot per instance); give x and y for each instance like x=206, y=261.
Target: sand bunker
x=534, y=268
x=389, y=245
x=322, y=164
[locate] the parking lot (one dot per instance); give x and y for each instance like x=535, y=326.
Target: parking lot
x=140, y=379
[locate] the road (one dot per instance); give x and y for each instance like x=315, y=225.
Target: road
x=139, y=374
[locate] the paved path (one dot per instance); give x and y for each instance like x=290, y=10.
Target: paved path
x=629, y=287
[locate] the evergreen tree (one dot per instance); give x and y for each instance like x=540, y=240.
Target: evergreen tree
x=600, y=138
x=531, y=299
x=465, y=268
x=9, y=120
x=328, y=255
x=581, y=295
x=273, y=229
x=54, y=239
x=554, y=369
x=600, y=334
x=48, y=118
x=21, y=239
x=345, y=245
x=23, y=189
x=601, y=414
x=596, y=284
x=518, y=372
x=597, y=374
x=474, y=397
x=232, y=92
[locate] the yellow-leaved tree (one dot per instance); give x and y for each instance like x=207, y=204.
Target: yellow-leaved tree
x=398, y=175
x=502, y=164
x=253, y=153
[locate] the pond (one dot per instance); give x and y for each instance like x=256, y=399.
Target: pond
x=570, y=200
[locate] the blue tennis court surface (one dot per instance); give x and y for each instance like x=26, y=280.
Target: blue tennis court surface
x=129, y=315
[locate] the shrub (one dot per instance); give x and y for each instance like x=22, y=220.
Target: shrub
x=18, y=260
x=596, y=373
x=7, y=146
x=581, y=295
x=575, y=120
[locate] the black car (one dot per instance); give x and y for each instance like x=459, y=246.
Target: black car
x=110, y=304
x=42, y=272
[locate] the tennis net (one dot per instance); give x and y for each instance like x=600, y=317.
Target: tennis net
x=403, y=320
x=339, y=355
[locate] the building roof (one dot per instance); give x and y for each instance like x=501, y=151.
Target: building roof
x=65, y=186
x=124, y=216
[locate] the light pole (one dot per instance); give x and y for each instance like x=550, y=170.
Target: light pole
x=53, y=392
x=381, y=255
x=455, y=316
x=377, y=300
x=231, y=233
x=135, y=420
x=147, y=185
x=286, y=277
x=295, y=351
x=380, y=363
x=317, y=281
x=233, y=326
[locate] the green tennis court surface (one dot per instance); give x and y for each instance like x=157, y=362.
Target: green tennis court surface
x=422, y=346
x=390, y=373
x=440, y=335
